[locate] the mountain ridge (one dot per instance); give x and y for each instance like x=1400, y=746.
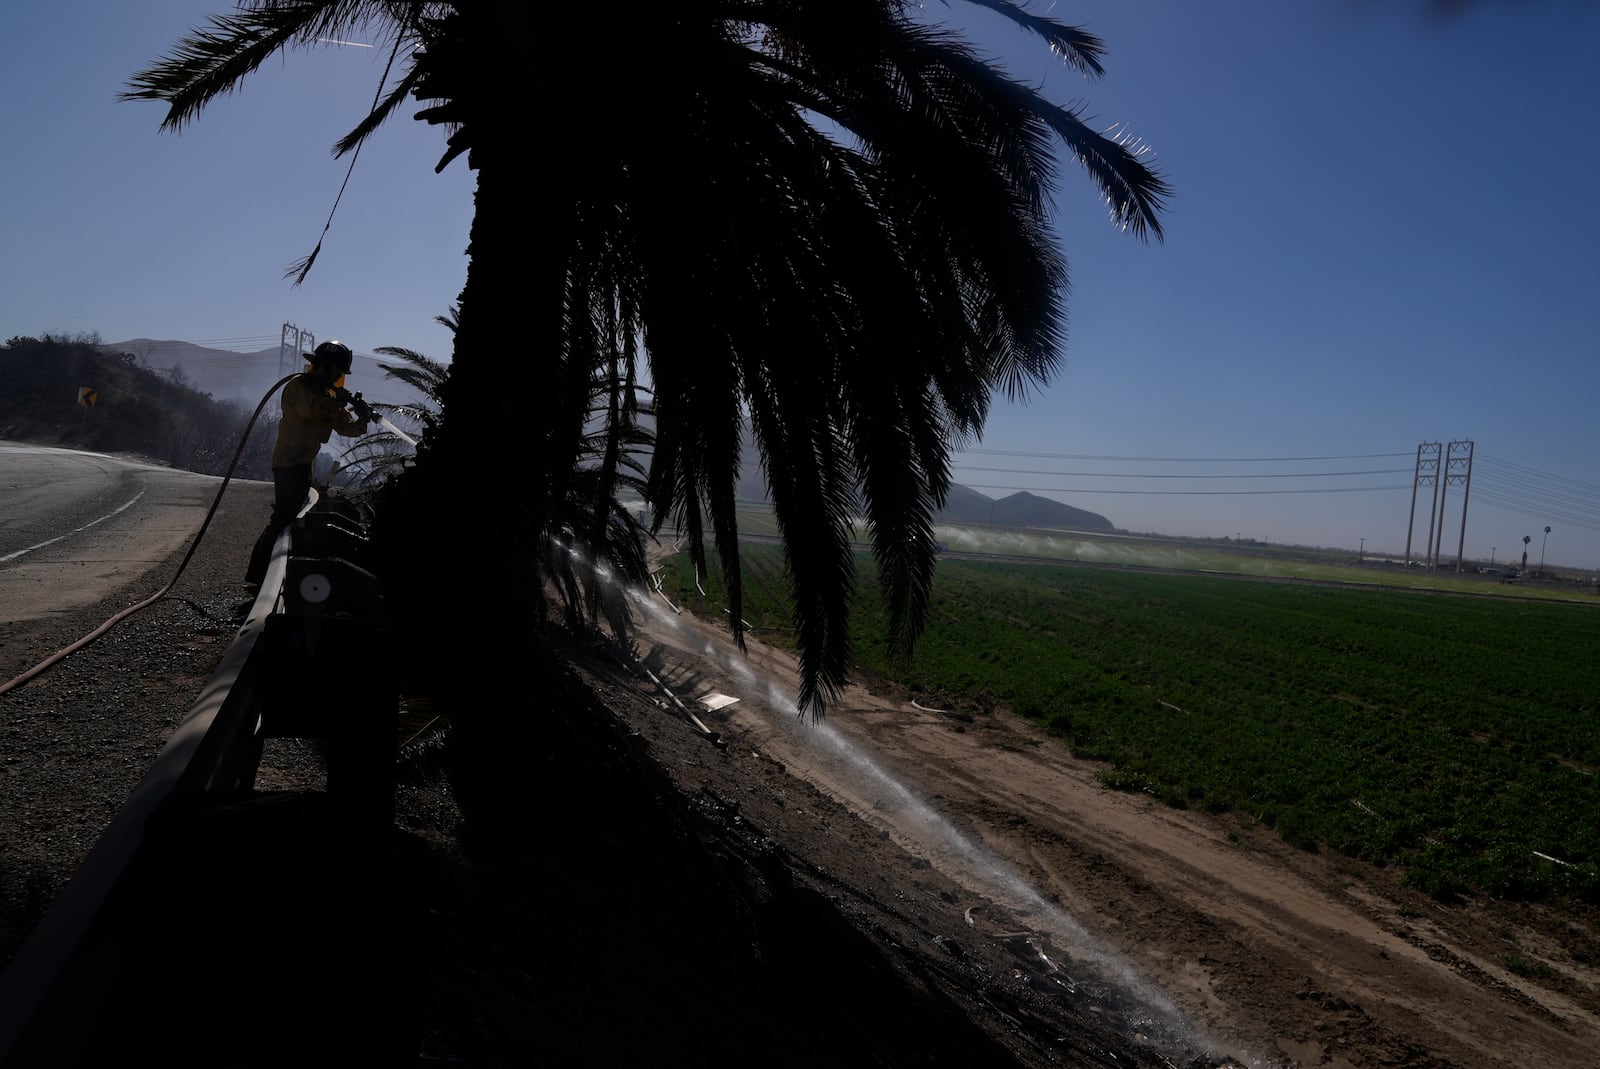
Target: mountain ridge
x=1021, y=509
x=962, y=504
x=246, y=377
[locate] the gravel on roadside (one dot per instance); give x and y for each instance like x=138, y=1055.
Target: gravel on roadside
x=76, y=739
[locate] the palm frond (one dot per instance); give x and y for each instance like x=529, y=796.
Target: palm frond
x=215, y=59
x=379, y=114
x=831, y=233
x=1080, y=49
x=422, y=373
x=212, y=61
x=1135, y=194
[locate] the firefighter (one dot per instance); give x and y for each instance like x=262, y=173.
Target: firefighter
x=314, y=407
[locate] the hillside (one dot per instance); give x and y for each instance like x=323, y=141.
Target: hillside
x=246, y=377
x=962, y=505
x=75, y=393
x=1021, y=509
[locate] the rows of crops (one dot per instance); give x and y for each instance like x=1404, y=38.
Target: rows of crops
x=1455, y=736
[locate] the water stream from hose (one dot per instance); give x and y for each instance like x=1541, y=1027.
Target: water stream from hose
x=1089, y=972
x=397, y=432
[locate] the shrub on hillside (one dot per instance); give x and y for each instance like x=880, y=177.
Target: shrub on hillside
x=135, y=410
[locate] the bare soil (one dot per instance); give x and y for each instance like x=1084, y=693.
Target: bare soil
x=600, y=881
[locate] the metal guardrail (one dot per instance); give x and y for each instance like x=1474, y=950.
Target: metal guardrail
x=75, y=965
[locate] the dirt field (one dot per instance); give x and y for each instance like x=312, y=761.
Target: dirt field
x=1202, y=935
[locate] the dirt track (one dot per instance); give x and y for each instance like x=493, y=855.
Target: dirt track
x=1230, y=940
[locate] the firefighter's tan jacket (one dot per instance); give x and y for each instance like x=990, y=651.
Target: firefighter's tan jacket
x=310, y=414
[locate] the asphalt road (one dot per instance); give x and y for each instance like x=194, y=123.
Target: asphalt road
x=75, y=527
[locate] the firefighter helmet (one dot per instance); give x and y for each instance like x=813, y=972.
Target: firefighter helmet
x=335, y=356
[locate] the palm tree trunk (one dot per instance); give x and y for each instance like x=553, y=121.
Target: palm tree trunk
x=486, y=482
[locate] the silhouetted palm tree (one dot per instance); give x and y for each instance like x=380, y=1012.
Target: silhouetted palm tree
x=823, y=221
x=594, y=546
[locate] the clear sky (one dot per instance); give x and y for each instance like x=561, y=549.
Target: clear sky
x=1384, y=234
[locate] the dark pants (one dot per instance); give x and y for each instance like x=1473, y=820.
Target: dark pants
x=289, y=488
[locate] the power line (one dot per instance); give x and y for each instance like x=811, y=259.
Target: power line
x=1546, y=475
x=1500, y=483
x=1132, y=475
x=1178, y=460
x=263, y=340
x=237, y=344
x=1587, y=523
x=1538, y=497
x=1161, y=475
x=1530, y=492
x=1183, y=493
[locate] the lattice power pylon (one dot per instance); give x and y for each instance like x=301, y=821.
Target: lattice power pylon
x=1428, y=454
x=1441, y=467
x=1457, y=472
x=293, y=344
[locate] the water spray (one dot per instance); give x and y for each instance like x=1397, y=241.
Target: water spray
x=367, y=412
x=397, y=432
x=1101, y=978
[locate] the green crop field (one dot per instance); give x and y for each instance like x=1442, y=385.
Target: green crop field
x=1455, y=736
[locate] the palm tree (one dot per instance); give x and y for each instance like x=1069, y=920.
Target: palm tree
x=826, y=222
x=594, y=545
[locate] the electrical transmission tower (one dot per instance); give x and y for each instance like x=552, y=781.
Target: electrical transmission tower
x=1458, y=472
x=1428, y=454
x=293, y=344
x=1441, y=467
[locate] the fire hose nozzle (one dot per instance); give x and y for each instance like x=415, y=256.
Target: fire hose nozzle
x=355, y=401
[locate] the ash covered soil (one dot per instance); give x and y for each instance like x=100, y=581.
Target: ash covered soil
x=603, y=882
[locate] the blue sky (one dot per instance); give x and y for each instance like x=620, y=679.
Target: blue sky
x=1383, y=234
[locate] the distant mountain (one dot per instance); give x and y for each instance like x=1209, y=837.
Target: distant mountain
x=962, y=504
x=246, y=377
x=965, y=505
x=1022, y=509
